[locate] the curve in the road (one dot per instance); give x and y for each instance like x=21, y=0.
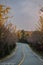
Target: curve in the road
x=16, y=58
x=22, y=58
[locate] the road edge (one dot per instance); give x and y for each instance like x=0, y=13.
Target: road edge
x=36, y=54
x=10, y=55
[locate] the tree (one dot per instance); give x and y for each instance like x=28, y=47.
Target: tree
x=4, y=14
x=7, y=39
x=41, y=28
x=41, y=18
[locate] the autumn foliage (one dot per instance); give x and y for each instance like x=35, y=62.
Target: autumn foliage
x=7, y=38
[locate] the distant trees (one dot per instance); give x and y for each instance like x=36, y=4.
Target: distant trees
x=22, y=36
x=7, y=38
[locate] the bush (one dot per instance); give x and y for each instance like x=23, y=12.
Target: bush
x=7, y=42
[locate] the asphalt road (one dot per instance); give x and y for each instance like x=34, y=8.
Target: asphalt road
x=23, y=56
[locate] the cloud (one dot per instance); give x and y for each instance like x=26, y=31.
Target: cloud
x=28, y=14
x=25, y=12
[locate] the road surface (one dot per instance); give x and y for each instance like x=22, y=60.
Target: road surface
x=23, y=56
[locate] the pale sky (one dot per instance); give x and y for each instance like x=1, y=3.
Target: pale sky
x=25, y=12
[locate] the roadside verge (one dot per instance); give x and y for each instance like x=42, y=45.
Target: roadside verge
x=10, y=55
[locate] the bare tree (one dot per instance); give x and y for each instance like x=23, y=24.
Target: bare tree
x=41, y=18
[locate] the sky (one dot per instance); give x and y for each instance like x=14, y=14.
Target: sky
x=25, y=12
